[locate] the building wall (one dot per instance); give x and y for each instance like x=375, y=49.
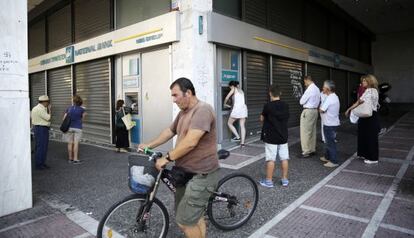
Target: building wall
x=15, y=171
x=392, y=57
x=193, y=55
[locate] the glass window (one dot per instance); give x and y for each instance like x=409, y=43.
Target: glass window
x=231, y=8
x=37, y=39
x=129, y=12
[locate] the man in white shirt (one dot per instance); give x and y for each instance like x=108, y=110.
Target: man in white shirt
x=329, y=110
x=310, y=101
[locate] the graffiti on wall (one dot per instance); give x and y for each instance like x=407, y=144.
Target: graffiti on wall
x=296, y=82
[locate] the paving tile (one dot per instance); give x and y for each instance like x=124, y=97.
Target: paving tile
x=51, y=226
x=364, y=182
x=390, y=153
x=382, y=167
x=346, y=202
x=409, y=174
x=386, y=233
x=305, y=223
x=400, y=213
x=398, y=140
x=234, y=159
x=249, y=150
x=406, y=190
x=395, y=145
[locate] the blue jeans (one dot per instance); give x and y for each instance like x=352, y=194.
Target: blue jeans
x=330, y=145
x=42, y=141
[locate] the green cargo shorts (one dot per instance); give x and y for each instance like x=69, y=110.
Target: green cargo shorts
x=191, y=201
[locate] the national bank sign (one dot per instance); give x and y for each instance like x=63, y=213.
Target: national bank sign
x=155, y=31
x=71, y=52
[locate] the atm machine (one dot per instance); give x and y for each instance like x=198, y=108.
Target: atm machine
x=131, y=89
x=228, y=66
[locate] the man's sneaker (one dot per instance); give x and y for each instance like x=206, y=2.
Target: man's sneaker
x=235, y=139
x=266, y=183
x=77, y=162
x=285, y=182
x=370, y=161
x=307, y=155
x=323, y=159
x=330, y=165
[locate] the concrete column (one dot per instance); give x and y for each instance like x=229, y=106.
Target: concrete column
x=15, y=169
x=193, y=55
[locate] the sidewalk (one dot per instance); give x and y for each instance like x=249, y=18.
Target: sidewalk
x=70, y=199
x=358, y=200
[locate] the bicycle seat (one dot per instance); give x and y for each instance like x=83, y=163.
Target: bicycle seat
x=223, y=154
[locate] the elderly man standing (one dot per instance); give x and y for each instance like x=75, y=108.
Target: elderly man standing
x=309, y=117
x=329, y=110
x=41, y=115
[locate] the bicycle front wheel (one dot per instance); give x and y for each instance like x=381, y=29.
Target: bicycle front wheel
x=123, y=219
x=234, y=201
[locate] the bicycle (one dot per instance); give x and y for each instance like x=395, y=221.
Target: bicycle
x=134, y=215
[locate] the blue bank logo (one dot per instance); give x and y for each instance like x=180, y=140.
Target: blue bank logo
x=70, y=54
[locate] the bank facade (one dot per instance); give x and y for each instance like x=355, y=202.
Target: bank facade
x=104, y=50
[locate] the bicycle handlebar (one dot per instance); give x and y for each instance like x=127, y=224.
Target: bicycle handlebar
x=153, y=155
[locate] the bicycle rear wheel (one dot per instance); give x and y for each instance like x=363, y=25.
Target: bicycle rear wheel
x=121, y=219
x=234, y=202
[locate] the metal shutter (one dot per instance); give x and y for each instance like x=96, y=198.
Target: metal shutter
x=92, y=80
x=92, y=18
x=337, y=36
x=256, y=82
x=285, y=17
x=365, y=49
x=353, y=44
x=353, y=83
x=59, y=29
x=340, y=79
x=316, y=25
x=255, y=12
x=37, y=87
x=59, y=83
x=37, y=39
x=318, y=73
x=288, y=75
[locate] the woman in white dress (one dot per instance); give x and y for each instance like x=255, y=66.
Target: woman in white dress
x=239, y=111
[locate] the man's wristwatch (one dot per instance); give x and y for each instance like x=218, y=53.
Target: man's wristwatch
x=167, y=157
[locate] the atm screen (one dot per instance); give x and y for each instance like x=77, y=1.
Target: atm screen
x=131, y=101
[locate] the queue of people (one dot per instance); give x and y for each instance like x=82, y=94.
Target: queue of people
x=274, y=118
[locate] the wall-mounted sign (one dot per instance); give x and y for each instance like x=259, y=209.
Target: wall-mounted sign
x=229, y=75
x=155, y=31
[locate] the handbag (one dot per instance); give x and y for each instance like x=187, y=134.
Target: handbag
x=365, y=109
x=64, y=127
x=127, y=119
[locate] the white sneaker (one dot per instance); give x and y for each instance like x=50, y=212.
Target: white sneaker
x=323, y=159
x=330, y=165
x=370, y=161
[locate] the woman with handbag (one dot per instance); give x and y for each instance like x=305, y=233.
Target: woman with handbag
x=368, y=123
x=122, y=135
x=76, y=113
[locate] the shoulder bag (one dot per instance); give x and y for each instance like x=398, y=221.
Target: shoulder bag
x=127, y=119
x=365, y=109
x=64, y=127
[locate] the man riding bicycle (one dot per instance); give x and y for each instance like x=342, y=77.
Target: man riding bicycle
x=195, y=153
